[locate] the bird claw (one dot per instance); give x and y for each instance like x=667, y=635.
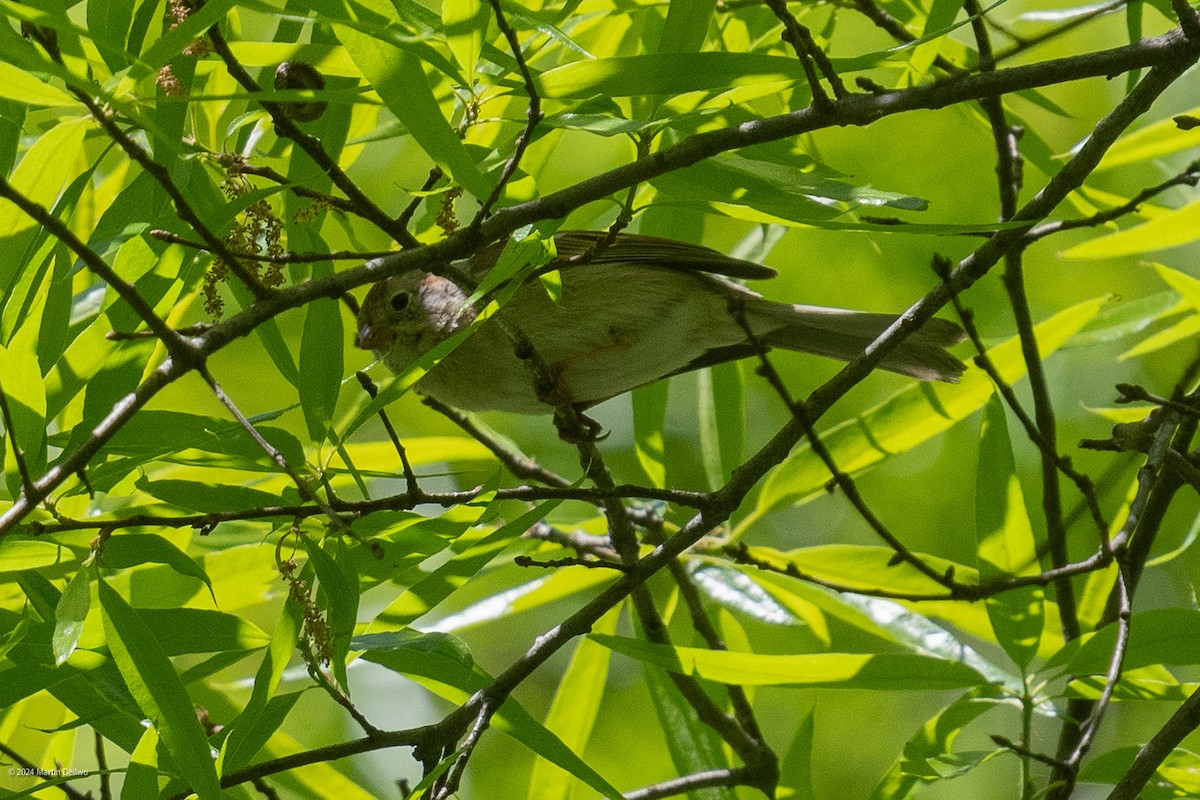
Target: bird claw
x=575, y=427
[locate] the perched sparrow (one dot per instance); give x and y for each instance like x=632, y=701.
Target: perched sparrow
x=640, y=310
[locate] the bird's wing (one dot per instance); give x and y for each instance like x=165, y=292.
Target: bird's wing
x=654, y=251
x=633, y=248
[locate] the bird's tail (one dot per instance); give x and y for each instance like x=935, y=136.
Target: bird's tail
x=842, y=334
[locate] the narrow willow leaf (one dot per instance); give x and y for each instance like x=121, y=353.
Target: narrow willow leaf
x=692, y=745
x=207, y=497
x=141, y=777
x=400, y=79
x=108, y=22
x=574, y=709
x=929, y=757
x=262, y=714
x=1183, y=331
x=665, y=73
x=1126, y=318
x=1173, y=229
x=796, y=768
x=686, y=26
x=913, y=415
x=875, y=672
x=320, y=367
x=735, y=589
x=456, y=684
x=69, y=615
x=539, y=593
x=1152, y=141
x=649, y=416
x=722, y=420
x=1006, y=546
x=474, y=550
x=1187, y=286
x=1168, y=636
x=466, y=24
x=49, y=165
x=131, y=549
x=17, y=84
x=18, y=553
x=188, y=631
x=339, y=591
x=161, y=696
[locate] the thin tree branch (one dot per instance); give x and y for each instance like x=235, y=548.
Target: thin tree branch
x=363, y=205
x=533, y=115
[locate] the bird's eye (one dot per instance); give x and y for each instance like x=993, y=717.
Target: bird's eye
x=400, y=301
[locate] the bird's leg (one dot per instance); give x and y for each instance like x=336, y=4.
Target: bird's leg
x=573, y=426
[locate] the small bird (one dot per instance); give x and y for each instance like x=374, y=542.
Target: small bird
x=638, y=310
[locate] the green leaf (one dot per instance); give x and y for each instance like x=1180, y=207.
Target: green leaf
x=43, y=172
x=187, y=631
x=1173, y=229
x=929, y=752
x=131, y=549
x=474, y=550
x=1125, y=318
x=339, y=591
x=574, y=709
x=207, y=497
x=686, y=26
x=795, y=769
x=401, y=81
x=108, y=22
x=71, y=611
x=864, y=671
x=649, y=416
x=435, y=643
x=736, y=590
x=17, y=84
x=264, y=712
x=1175, y=776
x=722, y=420
x=320, y=380
x=665, y=73
x=161, y=696
x=692, y=745
x=456, y=683
x=912, y=416
x=1150, y=142
x=1167, y=636
x=466, y=25
x=20, y=553
x=141, y=777
x=1006, y=546
x=1183, y=331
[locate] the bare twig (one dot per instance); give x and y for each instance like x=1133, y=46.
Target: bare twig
x=1189, y=176
x=311, y=145
x=11, y=433
x=277, y=258
x=176, y=346
x=533, y=116
x=519, y=464
x=800, y=38
x=1083, y=483
x=410, y=477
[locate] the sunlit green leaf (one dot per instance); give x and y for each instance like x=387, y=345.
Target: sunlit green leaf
x=1006, y=546
x=877, y=672
x=156, y=687
x=911, y=416
x=70, y=613
x=573, y=711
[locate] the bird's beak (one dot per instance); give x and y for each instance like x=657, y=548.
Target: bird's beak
x=372, y=338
